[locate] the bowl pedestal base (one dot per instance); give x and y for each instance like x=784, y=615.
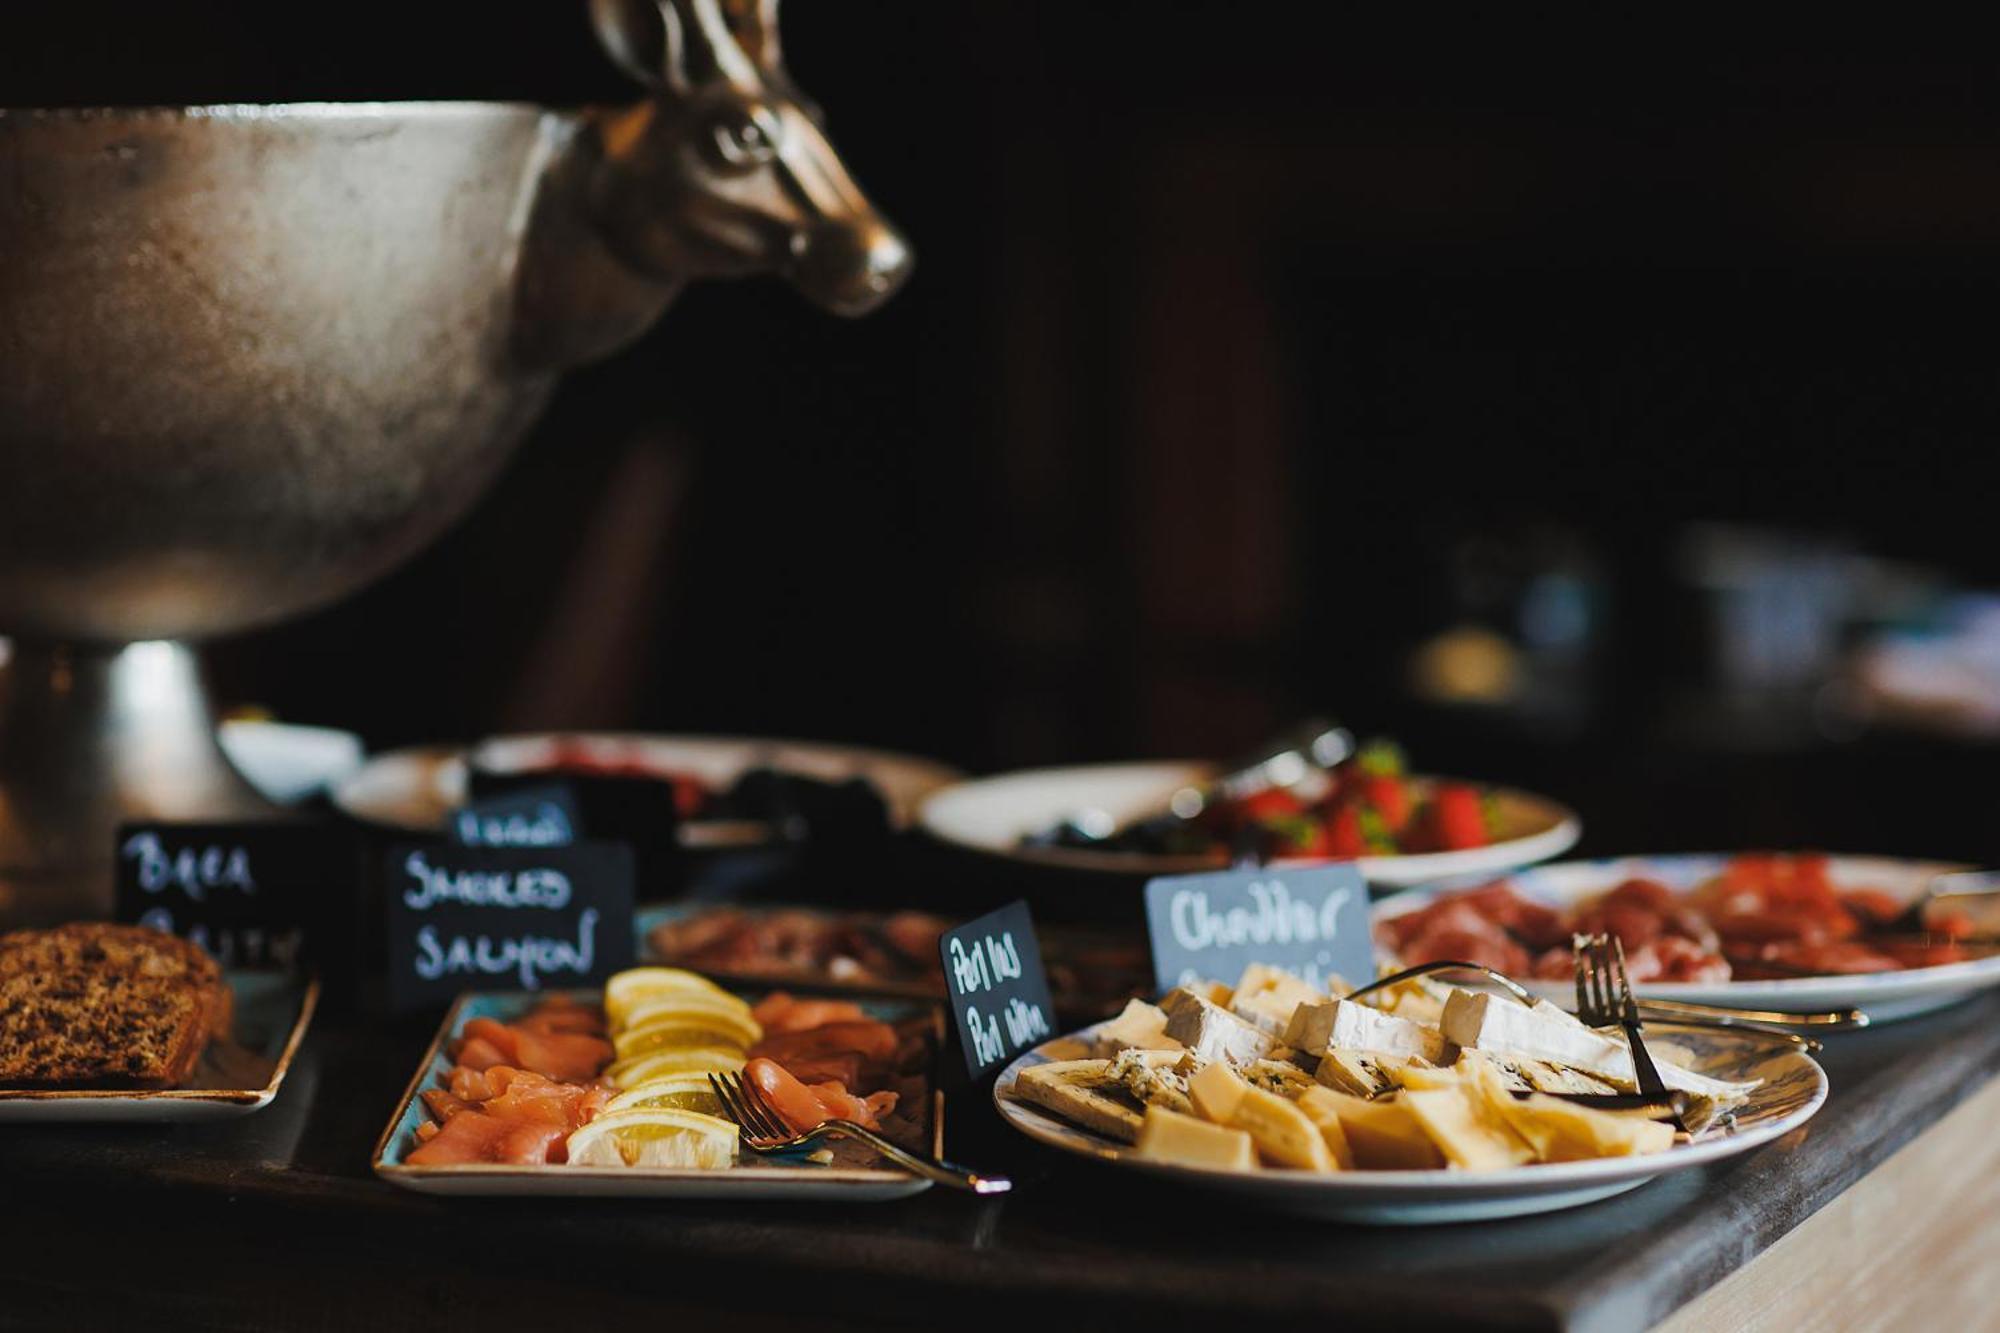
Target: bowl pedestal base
x=90, y=738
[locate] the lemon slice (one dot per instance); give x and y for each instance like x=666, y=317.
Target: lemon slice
x=726, y=1016
x=706, y=1030
x=655, y=1136
x=679, y=1092
x=627, y=988
x=643, y=1069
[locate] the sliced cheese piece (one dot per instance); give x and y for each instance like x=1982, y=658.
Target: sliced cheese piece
x=1152, y=1077
x=1359, y=1073
x=1423, y=1077
x=1486, y=1022
x=1279, y=1076
x=1265, y=997
x=1561, y=1131
x=1419, y=999
x=1468, y=1131
x=1327, y=1121
x=1283, y=1135
x=1381, y=1136
x=1494, y=1023
x=1169, y=1136
x=1212, y=1033
x=1215, y=1092
x=1346, y=1025
x=1212, y=991
x=1139, y=1027
x=1082, y=1090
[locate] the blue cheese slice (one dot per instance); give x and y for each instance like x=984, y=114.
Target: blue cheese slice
x=1211, y=1033
x=1346, y=1025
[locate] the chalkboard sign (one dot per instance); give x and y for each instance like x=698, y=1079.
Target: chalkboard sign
x=503, y=918
x=998, y=992
x=1210, y=927
x=244, y=892
x=633, y=808
x=543, y=815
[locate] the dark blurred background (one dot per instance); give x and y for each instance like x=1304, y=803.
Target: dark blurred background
x=1612, y=426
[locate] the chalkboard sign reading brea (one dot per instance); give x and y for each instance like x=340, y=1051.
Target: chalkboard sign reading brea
x=1210, y=927
x=504, y=918
x=243, y=892
x=998, y=992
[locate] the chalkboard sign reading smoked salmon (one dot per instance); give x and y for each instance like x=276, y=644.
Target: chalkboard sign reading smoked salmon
x=504, y=918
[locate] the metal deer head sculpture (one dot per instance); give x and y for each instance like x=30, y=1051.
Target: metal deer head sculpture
x=725, y=169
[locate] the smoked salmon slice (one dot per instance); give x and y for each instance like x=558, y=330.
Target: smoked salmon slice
x=803, y=1107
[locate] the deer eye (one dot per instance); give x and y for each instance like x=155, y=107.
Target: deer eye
x=746, y=138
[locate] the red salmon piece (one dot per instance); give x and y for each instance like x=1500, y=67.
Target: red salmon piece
x=571, y=1056
x=803, y=1107
x=874, y=1042
x=780, y=1012
x=461, y=1139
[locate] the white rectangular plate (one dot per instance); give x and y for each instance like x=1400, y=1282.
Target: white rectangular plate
x=234, y=1077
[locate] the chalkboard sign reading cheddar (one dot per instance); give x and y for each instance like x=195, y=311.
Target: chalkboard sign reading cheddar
x=998, y=992
x=1210, y=927
x=504, y=918
x=244, y=892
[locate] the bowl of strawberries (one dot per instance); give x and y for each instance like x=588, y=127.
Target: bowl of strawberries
x=1399, y=827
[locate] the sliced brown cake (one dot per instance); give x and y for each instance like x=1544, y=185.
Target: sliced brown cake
x=100, y=1006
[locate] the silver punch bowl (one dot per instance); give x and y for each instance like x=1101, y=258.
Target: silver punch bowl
x=253, y=357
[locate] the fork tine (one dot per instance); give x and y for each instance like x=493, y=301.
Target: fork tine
x=1577, y=945
x=774, y=1124
x=1626, y=1004
x=727, y=1096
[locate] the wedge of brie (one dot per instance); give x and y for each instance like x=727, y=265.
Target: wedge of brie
x=1499, y=1025
x=1346, y=1025
x=1211, y=1032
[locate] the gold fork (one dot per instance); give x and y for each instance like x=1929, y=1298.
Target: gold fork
x=765, y=1133
x=1604, y=999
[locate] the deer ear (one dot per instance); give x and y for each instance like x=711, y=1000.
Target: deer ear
x=635, y=33
x=755, y=23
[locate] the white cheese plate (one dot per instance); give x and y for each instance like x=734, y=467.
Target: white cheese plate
x=1886, y=996
x=992, y=816
x=1793, y=1087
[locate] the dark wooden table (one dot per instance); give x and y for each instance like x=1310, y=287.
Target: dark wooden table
x=274, y=1221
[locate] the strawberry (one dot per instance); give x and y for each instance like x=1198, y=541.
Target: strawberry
x=1390, y=797
x=1299, y=835
x=1454, y=820
x=1354, y=830
x=1271, y=803
x=1345, y=840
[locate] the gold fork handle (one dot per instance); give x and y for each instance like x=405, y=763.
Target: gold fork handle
x=1749, y=1027
x=1830, y=1020
x=944, y=1173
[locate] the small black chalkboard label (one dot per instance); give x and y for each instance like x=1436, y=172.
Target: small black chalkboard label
x=998, y=992
x=537, y=816
x=504, y=918
x=1310, y=921
x=243, y=892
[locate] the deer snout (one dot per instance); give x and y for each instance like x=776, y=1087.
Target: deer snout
x=850, y=267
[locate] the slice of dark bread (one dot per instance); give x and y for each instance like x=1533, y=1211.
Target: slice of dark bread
x=100, y=1006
